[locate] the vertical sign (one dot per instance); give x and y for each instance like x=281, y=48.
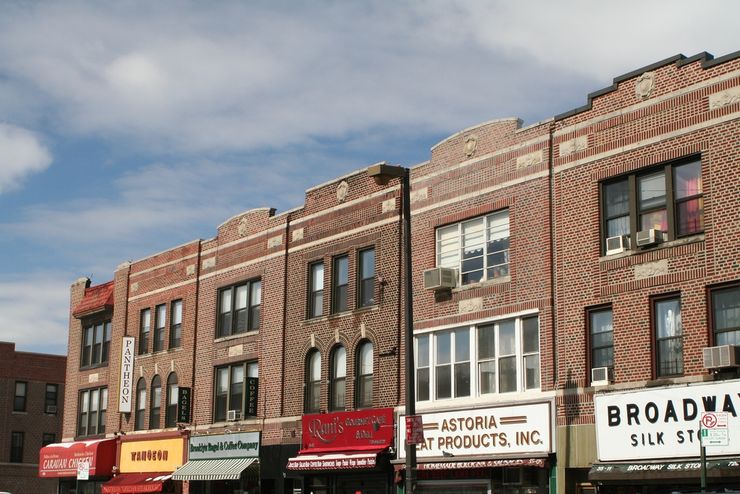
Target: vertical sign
x=183, y=404
x=125, y=390
x=252, y=387
x=414, y=429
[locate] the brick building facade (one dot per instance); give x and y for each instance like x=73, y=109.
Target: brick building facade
x=305, y=305
x=32, y=390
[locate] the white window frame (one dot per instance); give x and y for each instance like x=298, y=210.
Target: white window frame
x=475, y=391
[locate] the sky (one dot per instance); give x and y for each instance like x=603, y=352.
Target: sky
x=127, y=127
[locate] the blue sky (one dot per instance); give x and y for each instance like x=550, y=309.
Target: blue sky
x=130, y=127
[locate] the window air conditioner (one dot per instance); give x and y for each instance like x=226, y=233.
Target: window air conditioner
x=51, y=409
x=440, y=278
x=649, y=237
x=601, y=376
x=717, y=357
x=232, y=415
x=617, y=244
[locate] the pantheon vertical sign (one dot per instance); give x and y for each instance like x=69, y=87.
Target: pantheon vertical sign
x=125, y=390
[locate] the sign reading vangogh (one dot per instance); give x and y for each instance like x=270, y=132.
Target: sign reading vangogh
x=127, y=374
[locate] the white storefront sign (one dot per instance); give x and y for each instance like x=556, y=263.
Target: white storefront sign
x=485, y=432
x=126, y=388
x=664, y=422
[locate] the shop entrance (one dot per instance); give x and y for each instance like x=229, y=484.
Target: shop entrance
x=347, y=484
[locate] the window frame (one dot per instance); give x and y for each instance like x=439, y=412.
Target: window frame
x=141, y=403
x=316, y=296
x=671, y=203
x=426, y=366
x=711, y=304
x=88, y=351
x=160, y=327
x=363, y=291
x=248, y=367
x=17, y=446
x=339, y=287
x=364, y=380
x=176, y=314
x=251, y=309
x=312, y=383
x=155, y=403
x=51, y=398
x=656, y=340
x=145, y=330
x=20, y=401
x=489, y=272
x=170, y=414
x=338, y=379
x=84, y=414
x=592, y=347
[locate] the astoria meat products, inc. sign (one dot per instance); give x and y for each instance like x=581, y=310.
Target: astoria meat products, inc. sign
x=664, y=422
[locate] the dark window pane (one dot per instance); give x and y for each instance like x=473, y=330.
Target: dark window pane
x=616, y=199
x=341, y=279
x=443, y=388
x=486, y=342
x=487, y=376
x=507, y=374
x=160, y=316
x=106, y=341
x=422, y=384
x=462, y=379
x=690, y=216
x=531, y=335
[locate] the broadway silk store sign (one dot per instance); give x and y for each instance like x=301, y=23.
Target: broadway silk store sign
x=664, y=422
x=485, y=431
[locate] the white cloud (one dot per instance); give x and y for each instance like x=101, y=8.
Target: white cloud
x=21, y=154
x=34, y=311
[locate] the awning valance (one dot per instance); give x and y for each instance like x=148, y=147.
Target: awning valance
x=136, y=483
x=220, y=469
x=63, y=459
x=663, y=470
x=334, y=461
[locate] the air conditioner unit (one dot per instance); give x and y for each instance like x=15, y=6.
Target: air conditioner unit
x=601, y=376
x=232, y=415
x=440, y=278
x=617, y=244
x=717, y=357
x=648, y=237
x=51, y=409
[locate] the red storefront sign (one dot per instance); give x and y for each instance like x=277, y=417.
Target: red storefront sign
x=361, y=430
x=62, y=459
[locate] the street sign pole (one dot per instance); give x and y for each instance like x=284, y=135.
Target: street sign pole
x=703, y=455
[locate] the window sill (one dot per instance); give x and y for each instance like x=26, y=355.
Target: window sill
x=339, y=315
x=93, y=367
x=496, y=281
x=652, y=383
x=693, y=239
x=20, y=412
x=236, y=336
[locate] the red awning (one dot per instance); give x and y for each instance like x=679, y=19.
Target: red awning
x=62, y=459
x=335, y=461
x=134, y=483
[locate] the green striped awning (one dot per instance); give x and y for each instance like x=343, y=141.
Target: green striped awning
x=222, y=469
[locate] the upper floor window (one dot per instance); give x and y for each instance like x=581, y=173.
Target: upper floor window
x=316, y=289
x=176, y=324
x=21, y=393
x=601, y=337
x=16, y=447
x=236, y=386
x=239, y=308
x=160, y=315
x=366, y=278
x=668, y=336
x=48, y=438
x=95, y=344
x=139, y=416
x=170, y=416
x=668, y=199
x=155, y=408
x=364, y=387
x=499, y=357
x=725, y=304
x=312, y=402
x=92, y=409
x=337, y=383
x=340, y=283
x=145, y=326
x=51, y=398
x=478, y=249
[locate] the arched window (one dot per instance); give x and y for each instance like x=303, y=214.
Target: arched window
x=170, y=416
x=140, y=404
x=156, y=407
x=338, y=378
x=313, y=382
x=364, y=388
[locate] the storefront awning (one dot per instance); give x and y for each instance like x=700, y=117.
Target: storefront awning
x=637, y=471
x=220, y=469
x=136, y=483
x=62, y=459
x=506, y=462
x=335, y=461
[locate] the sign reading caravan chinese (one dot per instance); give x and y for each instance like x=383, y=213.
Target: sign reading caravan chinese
x=485, y=431
x=665, y=422
x=126, y=387
x=346, y=431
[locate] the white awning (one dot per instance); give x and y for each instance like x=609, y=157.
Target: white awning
x=221, y=469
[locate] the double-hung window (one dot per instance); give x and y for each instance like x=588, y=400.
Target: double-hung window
x=478, y=248
x=92, y=408
x=668, y=199
x=239, y=308
x=176, y=324
x=473, y=361
x=95, y=344
x=601, y=337
x=364, y=386
x=145, y=326
x=340, y=283
x=19, y=400
x=316, y=289
x=668, y=336
x=16, y=447
x=337, y=383
x=725, y=306
x=233, y=389
x=366, y=278
x=139, y=416
x=312, y=397
x=50, y=399
x=155, y=409
x=170, y=418
x=160, y=315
